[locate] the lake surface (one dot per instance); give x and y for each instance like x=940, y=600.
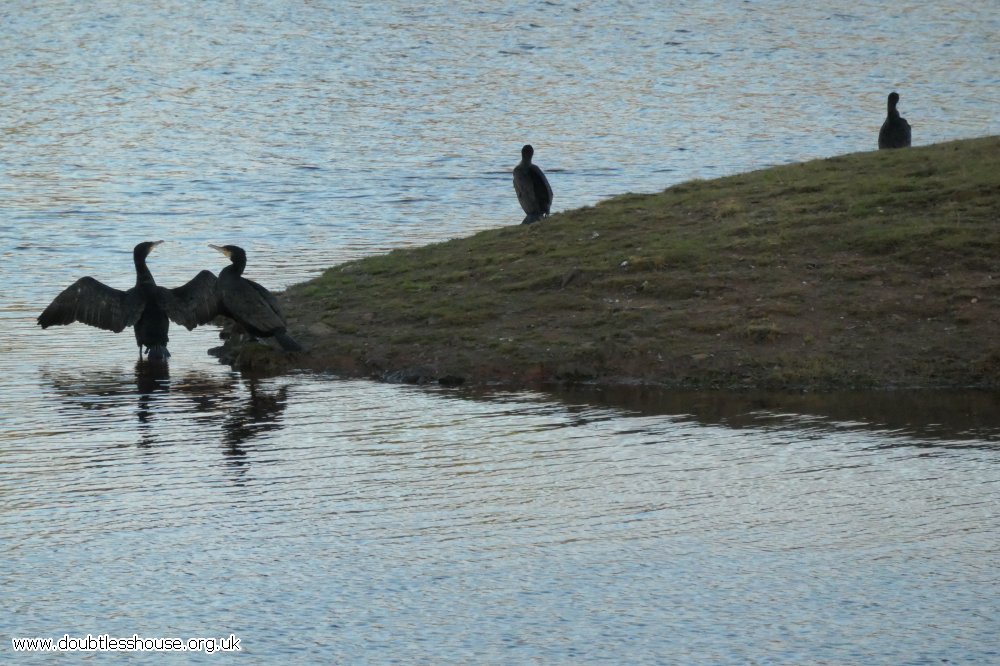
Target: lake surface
x=341, y=521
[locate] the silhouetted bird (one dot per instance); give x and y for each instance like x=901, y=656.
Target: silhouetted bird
x=247, y=303
x=532, y=187
x=895, y=132
x=145, y=307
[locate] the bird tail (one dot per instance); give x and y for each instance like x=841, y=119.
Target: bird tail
x=157, y=353
x=287, y=342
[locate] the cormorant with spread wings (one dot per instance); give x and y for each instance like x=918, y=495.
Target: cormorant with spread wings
x=146, y=307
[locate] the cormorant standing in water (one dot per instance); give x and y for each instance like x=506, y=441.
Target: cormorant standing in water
x=532, y=187
x=145, y=307
x=895, y=132
x=247, y=303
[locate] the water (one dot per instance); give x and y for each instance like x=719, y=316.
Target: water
x=320, y=519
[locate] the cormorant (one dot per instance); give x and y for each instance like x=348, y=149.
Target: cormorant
x=247, y=303
x=532, y=187
x=895, y=132
x=145, y=307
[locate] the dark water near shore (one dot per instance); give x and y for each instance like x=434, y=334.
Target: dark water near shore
x=335, y=521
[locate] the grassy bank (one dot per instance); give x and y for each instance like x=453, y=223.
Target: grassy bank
x=877, y=269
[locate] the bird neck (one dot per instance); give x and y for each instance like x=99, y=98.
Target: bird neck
x=236, y=268
x=142, y=274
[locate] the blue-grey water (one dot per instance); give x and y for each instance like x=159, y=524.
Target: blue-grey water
x=324, y=520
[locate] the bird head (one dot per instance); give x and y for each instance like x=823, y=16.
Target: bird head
x=143, y=249
x=234, y=252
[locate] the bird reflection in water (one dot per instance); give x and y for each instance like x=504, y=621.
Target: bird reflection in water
x=150, y=378
x=261, y=413
x=203, y=398
x=108, y=393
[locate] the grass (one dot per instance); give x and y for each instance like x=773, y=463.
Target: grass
x=877, y=269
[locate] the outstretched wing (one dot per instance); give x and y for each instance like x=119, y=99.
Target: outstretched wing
x=95, y=304
x=193, y=303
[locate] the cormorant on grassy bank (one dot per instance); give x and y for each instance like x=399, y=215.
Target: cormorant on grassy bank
x=247, y=303
x=532, y=187
x=895, y=132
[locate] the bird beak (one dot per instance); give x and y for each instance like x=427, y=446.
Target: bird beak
x=155, y=243
x=220, y=249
